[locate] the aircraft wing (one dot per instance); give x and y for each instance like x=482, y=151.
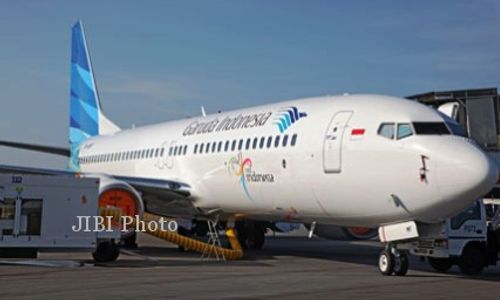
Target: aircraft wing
x=39, y=148
x=167, y=197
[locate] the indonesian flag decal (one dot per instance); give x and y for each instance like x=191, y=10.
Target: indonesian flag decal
x=357, y=133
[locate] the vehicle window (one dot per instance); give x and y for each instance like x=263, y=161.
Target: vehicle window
x=233, y=145
x=219, y=146
x=195, y=148
x=471, y=213
x=254, y=144
x=247, y=145
x=386, y=130
x=240, y=144
x=404, y=130
x=201, y=148
x=214, y=144
x=430, y=128
x=293, y=141
x=226, y=147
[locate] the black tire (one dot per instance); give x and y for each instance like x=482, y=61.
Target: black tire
x=386, y=263
x=401, y=264
x=256, y=237
x=129, y=242
x=440, y=264
x=106, y=252
x=472, y=260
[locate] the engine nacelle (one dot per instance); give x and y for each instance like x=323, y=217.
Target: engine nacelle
x=117, y=193
x=334, y=232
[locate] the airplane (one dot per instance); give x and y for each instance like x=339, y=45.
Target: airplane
x=349, y=160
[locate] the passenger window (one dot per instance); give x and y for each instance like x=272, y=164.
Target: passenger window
x=269, y=141
x=214, y=144
x=157, y=151
x=195, y=148
x=255, y=141
x=240, y=145
x=201, y=148
x=293, y=141
x=219, y=147
x=233, y=145
x=247, y=145
x=185, y=149
x=262, y=141
x=226, y=146
x=386, y=130
x=277, y=141
x=162, y=152
x=285, y=140
x=404, y=130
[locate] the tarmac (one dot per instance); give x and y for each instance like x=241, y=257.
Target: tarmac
x=287, y=268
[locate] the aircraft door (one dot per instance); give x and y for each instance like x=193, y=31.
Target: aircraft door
x=332, y=146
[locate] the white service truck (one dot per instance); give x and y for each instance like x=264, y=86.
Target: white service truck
x=470, y=240
x=45, y=212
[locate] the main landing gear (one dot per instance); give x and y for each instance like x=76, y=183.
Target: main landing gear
x=251, y=234
x=392, y=261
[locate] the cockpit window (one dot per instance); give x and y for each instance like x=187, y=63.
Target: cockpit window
x=386, y=130
x=454, y=126
x=430, y=128
x=404, y=130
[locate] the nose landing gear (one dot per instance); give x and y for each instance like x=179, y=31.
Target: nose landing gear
x=392, y=261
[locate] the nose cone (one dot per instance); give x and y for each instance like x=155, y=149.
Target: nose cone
x=465, y=173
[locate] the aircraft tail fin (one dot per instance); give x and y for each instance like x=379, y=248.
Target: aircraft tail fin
x=86, y=116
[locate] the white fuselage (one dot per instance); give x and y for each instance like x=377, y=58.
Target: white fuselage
x=340, y=169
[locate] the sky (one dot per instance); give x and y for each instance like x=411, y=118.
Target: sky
x=156, y=61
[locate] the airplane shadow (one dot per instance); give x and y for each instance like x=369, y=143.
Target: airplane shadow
x=357, y=252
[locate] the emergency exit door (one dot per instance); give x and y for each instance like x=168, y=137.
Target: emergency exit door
x=332, y=147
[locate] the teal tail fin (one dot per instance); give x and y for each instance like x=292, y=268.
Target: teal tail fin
x=86, y=117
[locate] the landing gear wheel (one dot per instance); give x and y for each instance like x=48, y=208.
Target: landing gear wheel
x=129, y=242
x=386, y=263
x=251, y=235
x=472, y=260
x=256, y=237
x=440, y=264
x=106, y=252
x=401, y=264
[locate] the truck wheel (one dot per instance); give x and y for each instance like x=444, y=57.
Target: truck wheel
x=106, y=252
x=472, y=260
x=401, y=265
x=386, y=263
x=440, y=264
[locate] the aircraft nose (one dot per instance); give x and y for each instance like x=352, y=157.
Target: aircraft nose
x=465, y=173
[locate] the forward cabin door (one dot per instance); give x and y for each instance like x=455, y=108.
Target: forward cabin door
x=332, y=146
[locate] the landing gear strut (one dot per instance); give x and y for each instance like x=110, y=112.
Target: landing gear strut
x=392, y=261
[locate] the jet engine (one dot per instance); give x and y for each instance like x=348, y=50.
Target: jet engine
x=117, y=193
